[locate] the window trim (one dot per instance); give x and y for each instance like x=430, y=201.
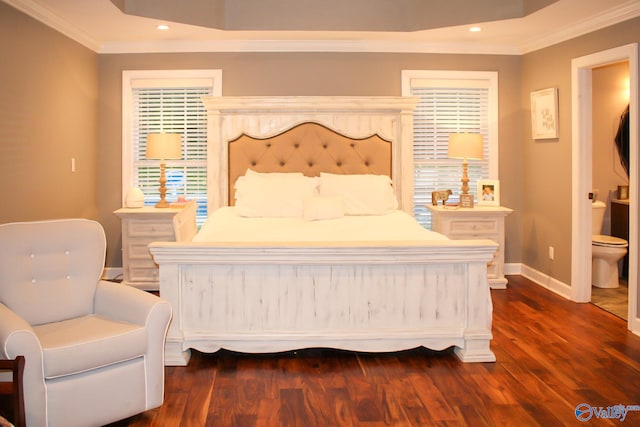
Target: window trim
x=157, y=78
x=447, y=79
x=408, y=76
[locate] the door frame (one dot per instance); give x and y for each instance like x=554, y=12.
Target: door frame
x=581, y=163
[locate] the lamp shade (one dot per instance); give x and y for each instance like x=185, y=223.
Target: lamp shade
x=163, y=146
x=465, y=146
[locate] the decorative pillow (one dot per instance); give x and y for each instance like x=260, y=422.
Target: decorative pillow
x=258, y=195
x=362, y=194
x=323, y=207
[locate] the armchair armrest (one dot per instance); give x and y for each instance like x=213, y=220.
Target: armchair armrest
x=17, y=338
x=127, y=304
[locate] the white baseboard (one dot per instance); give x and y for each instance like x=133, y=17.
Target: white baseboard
x=540, y=279
x=547, y=282
x=512, y=268
x=634, y=326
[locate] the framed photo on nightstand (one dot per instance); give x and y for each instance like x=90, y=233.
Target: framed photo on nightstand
x=488, y=192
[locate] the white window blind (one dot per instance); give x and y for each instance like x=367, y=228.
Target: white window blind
x=448, y=105
x=171, y=106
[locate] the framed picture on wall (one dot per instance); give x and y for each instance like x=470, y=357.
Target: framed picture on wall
x=488, y=192
x=544, y=114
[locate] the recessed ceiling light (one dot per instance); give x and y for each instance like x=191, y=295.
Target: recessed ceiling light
x=475, y=29
x=163, y=27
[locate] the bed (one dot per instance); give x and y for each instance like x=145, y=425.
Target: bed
x=276, y=287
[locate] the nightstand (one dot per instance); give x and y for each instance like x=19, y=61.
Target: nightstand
x=140, y=227
x=480, y=222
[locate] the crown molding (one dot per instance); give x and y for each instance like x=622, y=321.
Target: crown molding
x=351, y=46
x=50, y=19
x=629, y=10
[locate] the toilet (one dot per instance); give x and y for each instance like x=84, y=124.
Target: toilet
x=606, y=251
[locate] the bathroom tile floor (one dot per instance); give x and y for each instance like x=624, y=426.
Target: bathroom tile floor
x=612, y=300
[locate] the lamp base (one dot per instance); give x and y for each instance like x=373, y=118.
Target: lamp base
x=163, y=204
x=466, y=200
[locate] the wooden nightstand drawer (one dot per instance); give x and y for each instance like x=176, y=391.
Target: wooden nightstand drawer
x=142, y=263
x=478, y=227
x=154, y=229
x=139, y=250
x=139, y=274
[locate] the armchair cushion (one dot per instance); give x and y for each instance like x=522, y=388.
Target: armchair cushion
x=50, y=268
x=85, y=343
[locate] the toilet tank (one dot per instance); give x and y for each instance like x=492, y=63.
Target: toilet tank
x=597, y=216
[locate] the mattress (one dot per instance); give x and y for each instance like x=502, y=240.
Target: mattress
x=225, y=225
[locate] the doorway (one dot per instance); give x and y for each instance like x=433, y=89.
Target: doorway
x=610, y=100
x=581, y=78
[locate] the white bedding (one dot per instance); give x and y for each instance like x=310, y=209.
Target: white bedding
x=225, y=225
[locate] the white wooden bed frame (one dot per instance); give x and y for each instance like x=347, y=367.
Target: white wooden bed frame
x=267, y=297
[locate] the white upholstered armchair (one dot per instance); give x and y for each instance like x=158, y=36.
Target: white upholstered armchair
x=94, y=350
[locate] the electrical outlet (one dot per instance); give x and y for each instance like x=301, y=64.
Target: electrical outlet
x=551, y=253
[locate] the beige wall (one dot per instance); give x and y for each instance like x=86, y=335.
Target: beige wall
x=307, y=74
x=48, y=115
x=547, y=216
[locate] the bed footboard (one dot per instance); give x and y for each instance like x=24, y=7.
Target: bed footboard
x=258, y=298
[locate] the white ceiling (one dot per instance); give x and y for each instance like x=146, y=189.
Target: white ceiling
x=102, y=27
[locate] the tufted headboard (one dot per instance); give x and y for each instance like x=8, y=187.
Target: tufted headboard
x=309, y=148
x=362, y=134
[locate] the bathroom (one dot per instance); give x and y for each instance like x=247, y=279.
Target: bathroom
x=610, y=85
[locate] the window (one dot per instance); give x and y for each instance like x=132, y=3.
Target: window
x=450, y=102
x=167, y=101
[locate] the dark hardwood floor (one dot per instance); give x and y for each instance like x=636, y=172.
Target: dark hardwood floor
x=553, y=355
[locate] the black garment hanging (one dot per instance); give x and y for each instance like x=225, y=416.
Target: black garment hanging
x=622, y=140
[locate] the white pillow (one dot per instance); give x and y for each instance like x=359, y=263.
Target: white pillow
x=244, y=182
x=362, y=194
x=273, y=196
x=319, y=207
x=251, y=173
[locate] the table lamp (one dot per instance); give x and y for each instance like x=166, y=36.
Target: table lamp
x=163, y=146
x=465, y=146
